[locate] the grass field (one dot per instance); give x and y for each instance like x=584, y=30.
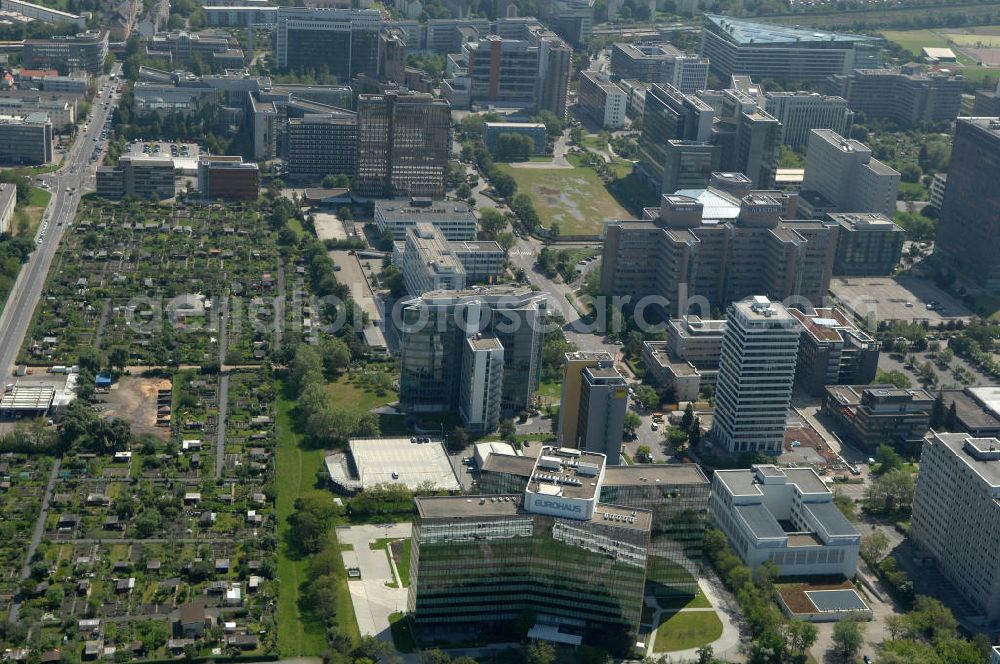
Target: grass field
x=350, y=391
x=574, y=198
x=687, y=629
x=889, y=16
x=914, y=40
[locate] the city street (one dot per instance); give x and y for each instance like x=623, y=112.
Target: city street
x=67, y=185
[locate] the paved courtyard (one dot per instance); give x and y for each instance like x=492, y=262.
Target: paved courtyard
x=373, y=600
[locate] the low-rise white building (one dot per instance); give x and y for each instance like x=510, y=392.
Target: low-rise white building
x=784, y=516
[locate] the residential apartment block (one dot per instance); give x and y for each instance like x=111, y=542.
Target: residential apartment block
x=602, y=100
x=968, y=235
x=706, y=248
x=843, y=172
x=956, y=515
x=454, y=219
x=786, y=517
x=660, y=63
x=907, y=97
x=756, y=374
x=870, y=415
x=868, y=244
x=403, y=144
x=801, y=112
x=833, y=351
x=763, y=50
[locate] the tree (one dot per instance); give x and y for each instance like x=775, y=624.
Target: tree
x=874, y=546
x=848, y=637
x=514, y=147
x=800, y=636
x=643, y=453
x=647, y=397
x=540, y=652
x=694, y=433
x=458, y=440
x=632, y=423
x=888, y=459
x=890, y=492
x=894, y=377
x=336, y=355
x=118, y=357
x=492, y=222
x=951, y=419
x=938, y=411
x=507, y=430
x=688, y=417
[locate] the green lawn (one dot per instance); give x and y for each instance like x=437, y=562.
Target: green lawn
x=402, y=633
x=915, y=40
x=574, y=198
x=687, y=629
x=39, y=197
x=295, y=469
x=348, y=390
x=699, y=601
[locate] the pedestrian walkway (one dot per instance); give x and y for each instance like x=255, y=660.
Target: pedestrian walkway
x=373, y=600
x=726, y=645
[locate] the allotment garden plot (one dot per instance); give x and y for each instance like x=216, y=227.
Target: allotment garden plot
x=168, y=283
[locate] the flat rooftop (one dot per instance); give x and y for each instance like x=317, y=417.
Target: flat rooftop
x=828, y=324
x=484, y=343
x=988, y=468
x=748, y=482
x=864, y=221
x=566, y=472
x=515, y=465
x=402, y=209
x=754, y=33
x=971, y=411
x=836, y=600
x=687, y=474
x=509, y=505
x=400, y=461
x=988, y=397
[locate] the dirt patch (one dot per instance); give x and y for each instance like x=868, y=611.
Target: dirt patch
x=134, y=399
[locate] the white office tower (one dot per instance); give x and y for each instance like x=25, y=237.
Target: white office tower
x=481, y=384
x=756, y=374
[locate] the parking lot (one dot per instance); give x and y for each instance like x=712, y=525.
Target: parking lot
x=905, y=298
x=373, y=600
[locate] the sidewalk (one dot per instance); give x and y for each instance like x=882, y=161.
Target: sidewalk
x=725, y=646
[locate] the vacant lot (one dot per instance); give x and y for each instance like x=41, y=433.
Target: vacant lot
x=134, y=399
x=574, y=198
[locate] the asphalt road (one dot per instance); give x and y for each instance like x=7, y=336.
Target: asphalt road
x=77, y=175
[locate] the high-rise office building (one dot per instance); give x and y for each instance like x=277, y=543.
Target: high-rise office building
x=228, y=178
x=749, y=138
x=26, y=139
x=481, y=387
x=660, y=63
x=137, y=176
x=843, y=171
x=764, y=50
x=430, y=261
x=343, y=41
x=556, y=553
x=906, y=97
x=756, y=375
x=403, y=141
x=432, y=332
x=321, y=144
x=801, y=112
x=706, y=248
x=593, y=405
x=868, y=244
x=670, y=115
x=688, y=165
x=968, y=236
x=956, y=516
x=571, y=19
x=833, y=351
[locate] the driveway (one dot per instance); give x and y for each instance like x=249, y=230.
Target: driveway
x=373, y=600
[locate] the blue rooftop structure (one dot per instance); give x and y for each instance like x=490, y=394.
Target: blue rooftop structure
x=102, y=380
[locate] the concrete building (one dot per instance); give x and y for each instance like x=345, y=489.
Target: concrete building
x=670, y=115
x=977, y=410
x=602, y=100
x=706, y=248
x=228, y=178
x=763, y=50
x=476, y=564
x=482, y=384
x=844, y=172
x=42, y=13
x=868, y=244
x=140, y=177
x=937, y=190
x=689, y=358
x=573, y=20
x=750, y=139
x=956, y=516
x=321, y=144
x=454, y=219
x=25, y=139
x=593, y=405
x=801, y=112
x=870, y=415
x=533, y=130
x=403, y=145
x=427, y=262
x=906, y=97
x=968, y=235
x=660, y=63
x=784, y=516
x=756, y=374
x=529, y=71
x=237, y=16
x=182, y=48
x=833, y=351
x=87, y=51
x=345, y=41
x=62, y=113
x=483, y=260
x=432, y=332
x=8, y=200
